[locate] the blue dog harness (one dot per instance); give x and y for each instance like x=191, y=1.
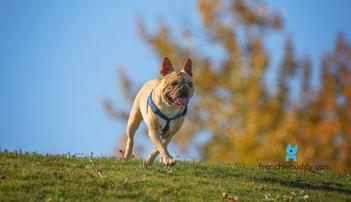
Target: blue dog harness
x=162, y=115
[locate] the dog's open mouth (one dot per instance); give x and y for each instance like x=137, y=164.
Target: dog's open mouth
x=181, y=101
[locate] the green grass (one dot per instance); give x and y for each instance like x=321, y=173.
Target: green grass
x=33, y=177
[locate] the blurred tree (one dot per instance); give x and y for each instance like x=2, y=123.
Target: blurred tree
x=325, y=115
x=248, y=120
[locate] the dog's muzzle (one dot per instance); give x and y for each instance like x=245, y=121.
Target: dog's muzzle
x=183, y=91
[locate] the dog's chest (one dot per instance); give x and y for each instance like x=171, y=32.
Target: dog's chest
x=174, y=125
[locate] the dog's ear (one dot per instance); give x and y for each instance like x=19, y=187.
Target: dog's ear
x=167, y=67
x=188, y=67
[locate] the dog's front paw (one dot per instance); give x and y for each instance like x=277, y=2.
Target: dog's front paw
x=168, y=161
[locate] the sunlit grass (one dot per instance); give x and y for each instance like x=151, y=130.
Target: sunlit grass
x=33, y=177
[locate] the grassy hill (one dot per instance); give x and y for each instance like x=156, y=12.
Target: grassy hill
x=33, y=177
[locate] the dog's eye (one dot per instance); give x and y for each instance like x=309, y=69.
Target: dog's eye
x=174, y=83
x=191, y=84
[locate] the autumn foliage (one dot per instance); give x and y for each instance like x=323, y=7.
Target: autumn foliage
x=248, y=118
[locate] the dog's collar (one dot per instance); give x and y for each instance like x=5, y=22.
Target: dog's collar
x=162, y=115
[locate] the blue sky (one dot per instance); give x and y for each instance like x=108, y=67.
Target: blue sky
x=58, y=58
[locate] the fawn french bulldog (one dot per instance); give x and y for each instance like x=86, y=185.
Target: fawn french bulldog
x=162, y=104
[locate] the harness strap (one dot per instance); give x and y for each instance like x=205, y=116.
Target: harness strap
x=162, y=115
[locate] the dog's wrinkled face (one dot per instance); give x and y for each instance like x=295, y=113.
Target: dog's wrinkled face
x=177, y=86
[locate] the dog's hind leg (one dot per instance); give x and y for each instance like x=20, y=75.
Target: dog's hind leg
x=134, y=120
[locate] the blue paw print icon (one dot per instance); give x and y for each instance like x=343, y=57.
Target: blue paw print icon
x=291, y=152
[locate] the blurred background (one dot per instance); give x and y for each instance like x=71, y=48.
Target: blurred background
x=266, y=73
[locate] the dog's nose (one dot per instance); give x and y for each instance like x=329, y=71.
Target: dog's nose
x=183, y=91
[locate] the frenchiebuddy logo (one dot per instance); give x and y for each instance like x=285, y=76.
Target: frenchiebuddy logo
x=291, y=156
x=291, y=152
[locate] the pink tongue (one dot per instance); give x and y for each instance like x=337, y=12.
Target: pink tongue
x=182, y=101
